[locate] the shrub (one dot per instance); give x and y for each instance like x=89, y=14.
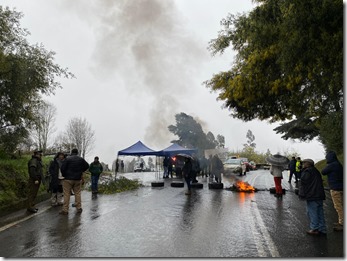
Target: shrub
x=116, y=186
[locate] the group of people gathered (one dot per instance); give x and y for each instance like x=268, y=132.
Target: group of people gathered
x=191, y=169
x=311, y=189
x=66, y=179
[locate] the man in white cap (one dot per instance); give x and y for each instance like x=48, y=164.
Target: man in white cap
x=311, y=189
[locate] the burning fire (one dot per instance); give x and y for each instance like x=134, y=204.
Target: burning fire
x=241, y=186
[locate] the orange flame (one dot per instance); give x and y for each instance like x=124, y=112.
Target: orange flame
x=243, y=187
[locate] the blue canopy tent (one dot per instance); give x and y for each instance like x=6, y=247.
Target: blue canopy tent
x=138, y=149
x=175, y=149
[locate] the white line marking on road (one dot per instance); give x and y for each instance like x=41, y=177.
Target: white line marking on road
x=264, y=234
x=22, y=220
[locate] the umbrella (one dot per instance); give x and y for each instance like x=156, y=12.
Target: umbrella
x=277, y=160
x=182, y=155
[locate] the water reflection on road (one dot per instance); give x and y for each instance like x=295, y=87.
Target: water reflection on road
x=164, y=222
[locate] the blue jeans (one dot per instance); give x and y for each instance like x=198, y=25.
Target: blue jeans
x=188, y=180
x=95, y=180
x=315, y=213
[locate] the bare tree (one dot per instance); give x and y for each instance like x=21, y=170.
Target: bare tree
x=80, y=133
x=44, y=125
x=62, y=143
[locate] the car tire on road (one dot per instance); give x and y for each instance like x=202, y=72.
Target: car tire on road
x=215, y=185
x=157, y=184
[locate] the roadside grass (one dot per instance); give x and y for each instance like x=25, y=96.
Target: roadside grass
x=14, y=179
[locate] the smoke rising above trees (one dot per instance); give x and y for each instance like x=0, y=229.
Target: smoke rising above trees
x=145, y=43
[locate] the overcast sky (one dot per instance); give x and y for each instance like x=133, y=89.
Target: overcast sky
x=138, y=63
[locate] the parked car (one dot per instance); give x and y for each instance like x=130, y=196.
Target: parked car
x=250, y=165
x=139, y=165
x=253, y=165
x=234, y=166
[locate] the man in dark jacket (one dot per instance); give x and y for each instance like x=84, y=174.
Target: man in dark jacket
x=311, y=189
x=195, y=169
x=35, y=176
x=334, y=171
x=72, y=170
x=187, y=173
x=291, y=167
x=95, y=169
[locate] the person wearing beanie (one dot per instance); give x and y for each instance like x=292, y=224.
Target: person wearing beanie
x=311, y=189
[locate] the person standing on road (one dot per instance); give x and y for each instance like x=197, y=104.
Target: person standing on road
x=122, y=166
x=209, y=166
x=169, y=168
x=166, y=167
x=276, y=172
x=35, y=176
x=291, y=167
x=116, y=170
x=195, y=169
x=334, y=171
x=217, y=168
x=187, y=173
x=277, y=162
x=56, y=183
x=311, y=189
x=72, y=170
x=298, y=169
x=95, y=168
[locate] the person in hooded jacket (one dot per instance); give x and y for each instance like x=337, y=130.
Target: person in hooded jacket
x=56, y=183
x=217, y=168
x=311, y=189
x=334, y=171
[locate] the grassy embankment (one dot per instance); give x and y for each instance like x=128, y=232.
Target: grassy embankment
x=14, y=178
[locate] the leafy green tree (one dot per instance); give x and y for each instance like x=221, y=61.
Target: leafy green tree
x=26, y=72
x=289, y=64
x=11, y=137
x=332, y=132
x=211, y=139
x=191, y=135
x=221, y=141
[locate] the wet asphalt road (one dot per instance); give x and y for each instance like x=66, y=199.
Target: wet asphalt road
x=164, y=222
